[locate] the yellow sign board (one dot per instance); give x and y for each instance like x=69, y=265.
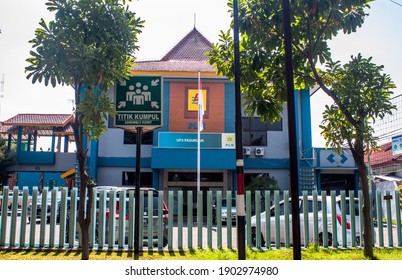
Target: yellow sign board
x=193, y=99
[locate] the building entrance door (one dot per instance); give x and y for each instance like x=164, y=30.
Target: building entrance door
x=186, y=181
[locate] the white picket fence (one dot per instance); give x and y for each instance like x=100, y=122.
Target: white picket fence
x=25, y=224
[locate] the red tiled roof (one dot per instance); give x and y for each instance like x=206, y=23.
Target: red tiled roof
x=39, y=120
x=42, y=124
x=383, y=156
x=186, y=56
x=174, y=66
x=191, y=48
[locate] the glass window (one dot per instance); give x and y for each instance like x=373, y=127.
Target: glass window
x=255, y=131
x=192, y=176
x=128, y=179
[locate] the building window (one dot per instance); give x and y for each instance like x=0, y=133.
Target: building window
x=128, y=179
x=130, y=137
x=110, y=122
x=255, y=131
x=192, y=177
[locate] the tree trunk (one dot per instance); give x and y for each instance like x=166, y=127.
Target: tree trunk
x=367, y=228
x=84, y=204
x=358, y=154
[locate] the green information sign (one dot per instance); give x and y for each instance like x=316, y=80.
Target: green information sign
x=139, y=102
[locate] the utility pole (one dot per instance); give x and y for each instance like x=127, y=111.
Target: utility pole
x=240, y=205
x=293, y=151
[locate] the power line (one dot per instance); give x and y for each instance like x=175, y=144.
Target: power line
x=396, y=3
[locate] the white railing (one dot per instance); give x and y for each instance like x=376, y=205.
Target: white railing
x=29, y=219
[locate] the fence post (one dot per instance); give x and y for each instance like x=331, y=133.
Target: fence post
x=180, y=219
x=333, y=220
x=122, y=217
x=218, y=213
x=160, y=219
x=209, y=219
x=32, y=228
x=230, y=221
x=352, y=217
x=63, y=215
x=190, y=219
x=131, y=215
x=287, y=218
x=24, y=212
x=398, y=217
x=324, y=218
x=315, y=216
x=268, y=219
x=13, y=222
x=258, y=218
x=306, y=218
x=199, y=218
x=4, y=215
x=379, y=219
x=150, y=219
x=43, y=218
x=170, y=220
x=277, y=221
x=248, y=218
x=389, y=219
x=343, y=217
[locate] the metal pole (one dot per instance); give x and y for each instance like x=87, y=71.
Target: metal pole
x=240, y=205
x=199, y=136
x=137, y=193
x=293, y=153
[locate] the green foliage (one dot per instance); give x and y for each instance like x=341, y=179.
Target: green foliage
x=95, y=108
x=365, y=93
x=7, y=159
x=86, y=38
x=262, y=183
x=262, y=60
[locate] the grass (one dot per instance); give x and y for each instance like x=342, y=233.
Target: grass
x=312, y=253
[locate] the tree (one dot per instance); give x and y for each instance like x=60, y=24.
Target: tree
x=7, y=159
x=89, y=45
x=262, y=53
x=364, y=92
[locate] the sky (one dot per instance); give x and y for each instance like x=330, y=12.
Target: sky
x=166, y=23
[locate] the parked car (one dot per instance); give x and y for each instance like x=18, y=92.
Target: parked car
x=310, y=221
x=20, y=198
x=225, y=211
x=108, y=215
x=40, y=205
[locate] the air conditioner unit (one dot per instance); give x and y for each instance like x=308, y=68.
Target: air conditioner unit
x=246, y=151
x=259, y=151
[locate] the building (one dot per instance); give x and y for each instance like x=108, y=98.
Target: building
x=169, y=153
x=35, y=166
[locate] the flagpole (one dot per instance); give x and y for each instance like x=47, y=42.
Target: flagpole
x=198, y=137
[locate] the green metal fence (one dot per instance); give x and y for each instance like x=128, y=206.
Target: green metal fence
x=49, y=220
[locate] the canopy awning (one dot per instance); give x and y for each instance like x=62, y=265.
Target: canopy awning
x=68, y=173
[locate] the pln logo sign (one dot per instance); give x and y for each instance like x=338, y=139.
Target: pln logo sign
x=193, y=99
